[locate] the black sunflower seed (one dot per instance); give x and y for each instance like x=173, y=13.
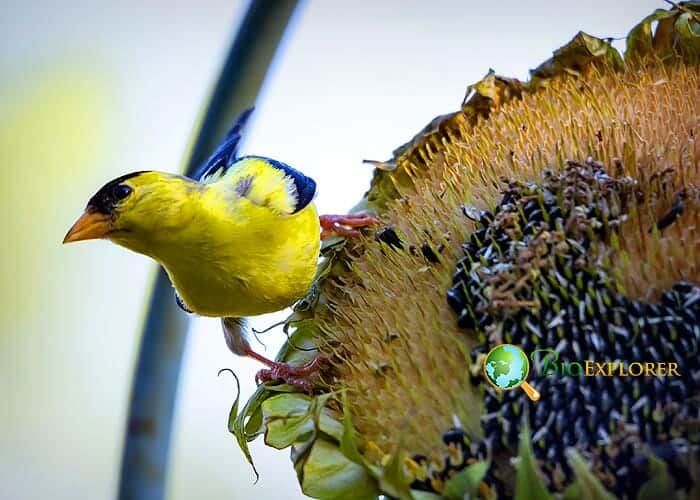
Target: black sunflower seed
x=388, y=235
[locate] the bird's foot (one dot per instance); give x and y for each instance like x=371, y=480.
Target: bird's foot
x=297, y=376
x=345, y=225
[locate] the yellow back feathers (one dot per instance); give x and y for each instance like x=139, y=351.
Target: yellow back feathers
x=263, y=185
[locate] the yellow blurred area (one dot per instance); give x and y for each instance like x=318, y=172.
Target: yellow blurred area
x=58, y=389
x=57, y=125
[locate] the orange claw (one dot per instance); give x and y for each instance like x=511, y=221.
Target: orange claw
x=344, y=225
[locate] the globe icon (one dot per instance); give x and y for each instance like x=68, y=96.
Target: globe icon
x=506, y=367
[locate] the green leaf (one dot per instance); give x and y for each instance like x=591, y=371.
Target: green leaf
x=573, y=57
x=677, y=33
x=328, y=474
x=466, y=482
x=236, y=425
x=572, y=492
x=300, y=347
x=640, y=40
x=528, y=481
x=586, y=486
x=348, y=440
x=287, y=420
x=326, y=420
x=688, y=30
x=580, y=50
x=294, y=417
x=660, y=485
x=253, y=426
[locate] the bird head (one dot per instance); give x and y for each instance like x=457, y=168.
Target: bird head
x=134, y=210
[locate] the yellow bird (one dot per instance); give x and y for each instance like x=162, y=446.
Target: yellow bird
x=240, y=240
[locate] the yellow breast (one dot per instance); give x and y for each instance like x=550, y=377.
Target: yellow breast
x=243, y=259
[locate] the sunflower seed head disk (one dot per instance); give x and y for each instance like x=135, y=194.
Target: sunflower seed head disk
x=534, y=274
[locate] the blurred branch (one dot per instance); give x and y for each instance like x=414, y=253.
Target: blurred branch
x=147, y=440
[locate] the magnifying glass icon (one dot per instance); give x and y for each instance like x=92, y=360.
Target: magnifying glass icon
x=506, y=367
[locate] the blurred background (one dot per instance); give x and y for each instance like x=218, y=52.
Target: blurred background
x=89, y=92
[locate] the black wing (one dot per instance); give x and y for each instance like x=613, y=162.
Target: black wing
x=225, y=153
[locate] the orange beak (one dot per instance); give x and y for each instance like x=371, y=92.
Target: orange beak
x=89, y=226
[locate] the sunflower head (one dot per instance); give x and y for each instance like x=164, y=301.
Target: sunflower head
x=558, y=215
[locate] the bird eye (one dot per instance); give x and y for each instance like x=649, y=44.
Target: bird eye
x=121, y=191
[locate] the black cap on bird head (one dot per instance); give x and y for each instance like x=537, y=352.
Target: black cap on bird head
x=98, y=218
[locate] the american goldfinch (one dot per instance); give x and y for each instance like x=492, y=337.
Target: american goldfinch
x=240, y=240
